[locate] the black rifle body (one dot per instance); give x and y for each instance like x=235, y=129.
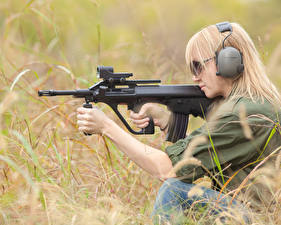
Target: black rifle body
x=179, y=99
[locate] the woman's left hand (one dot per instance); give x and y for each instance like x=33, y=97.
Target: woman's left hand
x=91, y=120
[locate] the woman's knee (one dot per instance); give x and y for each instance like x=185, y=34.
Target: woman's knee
x=173, y=192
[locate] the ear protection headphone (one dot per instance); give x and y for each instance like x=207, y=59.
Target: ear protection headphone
x=229, y=60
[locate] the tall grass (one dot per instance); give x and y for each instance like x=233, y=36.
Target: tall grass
x=49, y=172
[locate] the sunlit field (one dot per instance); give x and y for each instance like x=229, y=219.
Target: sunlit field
x=50, y=173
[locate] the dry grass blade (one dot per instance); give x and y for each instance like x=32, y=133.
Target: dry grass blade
x=278, y=161
x=9, y=99
x=242, y=185
x=18, y=169
x=187, y=157
x=192, y=145
x=243, y=121
x=184, y=162
x=18, y=77
x=196, y=190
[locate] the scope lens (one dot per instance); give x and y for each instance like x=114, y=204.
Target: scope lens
x=102, y=71
x=98, y=72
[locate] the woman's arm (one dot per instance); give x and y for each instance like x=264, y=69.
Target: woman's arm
x=152, y=160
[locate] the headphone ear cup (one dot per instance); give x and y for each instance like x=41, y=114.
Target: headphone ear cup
x=216, y=57
x=240, y=68
x=229, y=62
x=217, y=63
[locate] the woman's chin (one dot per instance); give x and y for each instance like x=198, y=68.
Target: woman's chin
x=210, y=95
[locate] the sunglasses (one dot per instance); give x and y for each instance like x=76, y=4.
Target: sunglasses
x=196, y=67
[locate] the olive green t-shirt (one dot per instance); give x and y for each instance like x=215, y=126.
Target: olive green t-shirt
x=239, y=133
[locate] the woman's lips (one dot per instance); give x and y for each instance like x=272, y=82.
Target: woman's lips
x=201, y=86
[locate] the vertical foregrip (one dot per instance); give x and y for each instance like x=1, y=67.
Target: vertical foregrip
x=89, y=106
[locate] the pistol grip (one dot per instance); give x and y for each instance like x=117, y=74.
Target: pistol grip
x=149, y=129
x=89, y=106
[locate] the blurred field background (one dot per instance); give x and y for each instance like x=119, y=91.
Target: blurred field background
x=49, y=172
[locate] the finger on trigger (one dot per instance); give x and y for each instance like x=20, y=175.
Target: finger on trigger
x=141, y=121
x=143, y=125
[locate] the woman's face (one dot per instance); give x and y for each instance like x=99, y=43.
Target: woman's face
x=210, y=83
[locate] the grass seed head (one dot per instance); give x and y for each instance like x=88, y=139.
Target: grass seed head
x=243, y=121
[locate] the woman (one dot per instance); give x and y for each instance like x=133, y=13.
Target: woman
x=241, y=130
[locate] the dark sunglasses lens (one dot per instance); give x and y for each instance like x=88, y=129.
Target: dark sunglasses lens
x=195, y=67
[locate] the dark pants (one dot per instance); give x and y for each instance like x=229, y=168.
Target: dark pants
x=175, y=196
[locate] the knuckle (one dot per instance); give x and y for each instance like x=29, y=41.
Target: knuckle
x=81, y=129
x=135, y=115
x=87, y=117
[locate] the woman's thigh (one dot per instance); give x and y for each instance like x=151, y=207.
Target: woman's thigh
x=175, y=196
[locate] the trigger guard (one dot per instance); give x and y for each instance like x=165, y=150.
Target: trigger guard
x=147, y=130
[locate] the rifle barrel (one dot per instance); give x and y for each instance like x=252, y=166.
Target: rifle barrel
x=76, y=93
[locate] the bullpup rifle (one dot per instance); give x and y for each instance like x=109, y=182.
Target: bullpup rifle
x=115, y=90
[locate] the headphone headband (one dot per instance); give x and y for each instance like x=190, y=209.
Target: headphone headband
x=224, y=26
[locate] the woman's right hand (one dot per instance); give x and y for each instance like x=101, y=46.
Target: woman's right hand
x=159, y=115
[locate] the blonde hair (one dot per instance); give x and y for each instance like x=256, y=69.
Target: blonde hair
x=253, y=83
